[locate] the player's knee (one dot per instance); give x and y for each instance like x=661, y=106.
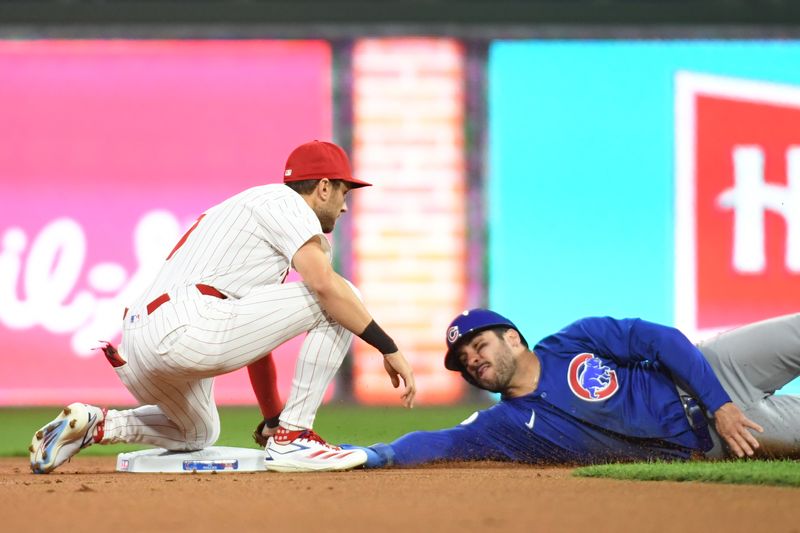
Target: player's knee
x=203, y=441
x=212, y=436
x=203, y=437
x=210, y=440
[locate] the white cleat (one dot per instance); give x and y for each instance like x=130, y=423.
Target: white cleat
x=305, y=451
x=76, y=427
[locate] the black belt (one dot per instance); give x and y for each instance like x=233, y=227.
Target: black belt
x=207, y=290
x=697, y=421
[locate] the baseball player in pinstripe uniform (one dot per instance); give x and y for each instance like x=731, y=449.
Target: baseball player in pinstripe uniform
x=219, y=303
x=603, y=390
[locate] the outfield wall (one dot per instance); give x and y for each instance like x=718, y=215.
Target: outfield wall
x=630, y=178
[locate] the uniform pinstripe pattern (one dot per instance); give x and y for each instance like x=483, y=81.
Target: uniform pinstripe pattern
x=245, y=242
x=243, y=248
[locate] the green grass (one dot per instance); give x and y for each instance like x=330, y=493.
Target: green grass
x=367, y=425
x=336, y=423
x=784, y=473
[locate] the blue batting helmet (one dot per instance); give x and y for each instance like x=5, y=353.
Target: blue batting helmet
x=467, y=324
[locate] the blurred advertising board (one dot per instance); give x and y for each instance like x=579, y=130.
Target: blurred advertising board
x=656, y=179
x=409, y=240
x=738, y=199
x=109, y=151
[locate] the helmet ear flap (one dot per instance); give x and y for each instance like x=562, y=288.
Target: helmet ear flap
x=469, y=379
x=460, y=367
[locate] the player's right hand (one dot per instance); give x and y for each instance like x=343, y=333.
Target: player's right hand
x=733, y=426
x=397, y=367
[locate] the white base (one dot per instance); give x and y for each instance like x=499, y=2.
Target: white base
x=213, y=459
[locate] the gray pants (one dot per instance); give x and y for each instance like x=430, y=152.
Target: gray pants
x=752, y=362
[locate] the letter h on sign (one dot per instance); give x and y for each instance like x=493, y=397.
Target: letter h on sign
x=737, y=247
x=751, y=197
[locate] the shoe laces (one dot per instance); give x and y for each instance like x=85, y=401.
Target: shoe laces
x=310, y=434
x=307, y=434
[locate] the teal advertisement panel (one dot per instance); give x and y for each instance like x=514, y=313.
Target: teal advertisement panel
x=603, y=158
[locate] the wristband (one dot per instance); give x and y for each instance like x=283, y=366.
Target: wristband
x=272, y=422
x=375, y=336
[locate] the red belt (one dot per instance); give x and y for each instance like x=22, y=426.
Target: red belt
x=207, y=290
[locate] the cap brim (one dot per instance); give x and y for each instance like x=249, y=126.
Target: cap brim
x=355, y=183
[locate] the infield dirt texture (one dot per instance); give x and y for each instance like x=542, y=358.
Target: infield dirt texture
x=88, y=495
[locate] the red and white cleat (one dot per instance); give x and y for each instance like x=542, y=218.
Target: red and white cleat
x=305, y=451
x=76, y=427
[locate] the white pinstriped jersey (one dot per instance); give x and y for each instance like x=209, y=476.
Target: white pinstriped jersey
x=245, y=242
x=242, y=247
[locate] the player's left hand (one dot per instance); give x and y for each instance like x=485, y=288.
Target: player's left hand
x=263, y=432
x=734, y=427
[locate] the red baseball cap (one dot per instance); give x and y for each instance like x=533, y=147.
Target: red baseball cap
x=317, y=160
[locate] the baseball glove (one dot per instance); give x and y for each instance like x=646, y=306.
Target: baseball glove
x=271, y=426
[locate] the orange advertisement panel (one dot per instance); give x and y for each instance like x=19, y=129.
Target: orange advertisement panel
x=410, y=229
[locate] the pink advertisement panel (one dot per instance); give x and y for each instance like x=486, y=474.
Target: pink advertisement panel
x=109, y=150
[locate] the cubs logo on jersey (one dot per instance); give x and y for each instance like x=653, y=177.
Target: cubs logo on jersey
x=590, y=379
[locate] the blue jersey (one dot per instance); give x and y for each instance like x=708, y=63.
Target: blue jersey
x=606, y=392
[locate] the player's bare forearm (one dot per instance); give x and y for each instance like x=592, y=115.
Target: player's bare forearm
x=334, y=293
x=340, y=301
x=342, y=304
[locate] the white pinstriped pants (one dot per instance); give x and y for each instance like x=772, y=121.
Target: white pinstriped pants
x=173, y=355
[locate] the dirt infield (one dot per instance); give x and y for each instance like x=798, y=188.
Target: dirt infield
x=88, y=495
